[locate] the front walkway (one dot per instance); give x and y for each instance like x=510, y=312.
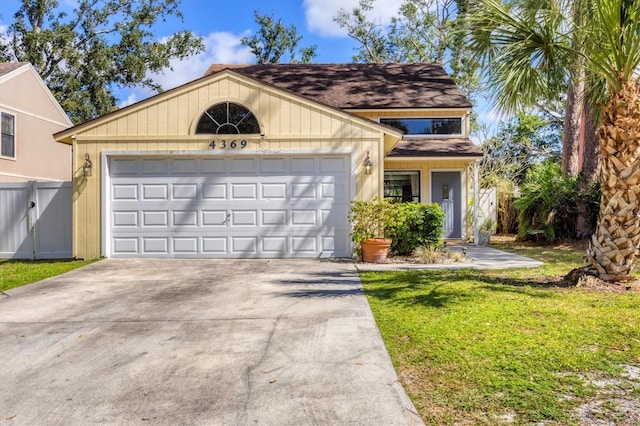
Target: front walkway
x=480, y=257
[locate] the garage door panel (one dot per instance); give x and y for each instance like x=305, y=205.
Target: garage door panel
x=214, y=191
x=215, y=218
x=244, y=245
x=155, y=167
x=214, y=245
x=267, y=207
x=244, y=218
x=155, y=218
x=155, y=192
x=303, y=165
x=275, y=245
x=274, y=191
x=304, y=244
x=125, y=219
x=155, y=245
x=273, y=165
x=185, y=218
x=244, y=191
x=242, y=166
x=125, y=245
x=183, y=166
x=215, y=166
x=274, y=217
x=304, y=218
x=125, y=192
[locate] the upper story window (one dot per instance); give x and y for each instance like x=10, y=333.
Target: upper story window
x=228, y=118
x=8, y=148
x=416, y=126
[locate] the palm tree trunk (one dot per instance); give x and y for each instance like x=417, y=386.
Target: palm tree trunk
x=588, y=176
x=571, y=132
x=614, y=244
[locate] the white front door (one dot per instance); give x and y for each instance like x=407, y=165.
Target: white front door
x=446, y=191
x=230, y=207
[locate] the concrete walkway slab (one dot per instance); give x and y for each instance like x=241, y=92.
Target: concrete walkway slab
x=198, y=342
x=480, y=257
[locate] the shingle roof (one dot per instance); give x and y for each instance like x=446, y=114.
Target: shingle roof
x=361, y=86
x=7, y=67
x=427, y=147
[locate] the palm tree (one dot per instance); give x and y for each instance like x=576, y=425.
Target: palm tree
x=528, y=46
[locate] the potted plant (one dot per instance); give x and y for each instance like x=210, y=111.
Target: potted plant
x=487, y=228
x=370, y=220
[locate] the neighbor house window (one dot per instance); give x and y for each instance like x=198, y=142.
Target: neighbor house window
x=402, y=186
x=426, y=126
x=8, y=136
x=228, y=118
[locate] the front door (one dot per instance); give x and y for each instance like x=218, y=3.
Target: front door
x=446, y=191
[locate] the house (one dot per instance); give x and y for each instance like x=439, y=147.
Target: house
x=264, y=160
x=30, y=116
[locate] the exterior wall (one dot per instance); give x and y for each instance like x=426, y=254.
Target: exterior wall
x=427, y=166
x=37, y=155
x=166, y=127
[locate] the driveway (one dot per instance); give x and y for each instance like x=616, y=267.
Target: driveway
x=215, y=342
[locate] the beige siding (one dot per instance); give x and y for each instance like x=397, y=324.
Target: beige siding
x=168, y=125
x=37, y=155
x=427, y=166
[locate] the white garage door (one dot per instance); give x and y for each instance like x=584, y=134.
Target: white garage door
x=229, y=207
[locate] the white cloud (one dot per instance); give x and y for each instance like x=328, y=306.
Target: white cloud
x=220, y=48
x=131, y=99
x=320, y=14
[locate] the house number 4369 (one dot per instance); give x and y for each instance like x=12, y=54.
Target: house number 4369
x=225, y=144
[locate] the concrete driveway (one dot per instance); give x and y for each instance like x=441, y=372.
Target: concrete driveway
x=234, y=342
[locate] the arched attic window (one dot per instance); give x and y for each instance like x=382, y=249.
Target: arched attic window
x=228, y=118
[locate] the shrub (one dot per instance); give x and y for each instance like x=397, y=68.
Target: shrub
x=416, y=225
x=547, y=204
x=372, y=219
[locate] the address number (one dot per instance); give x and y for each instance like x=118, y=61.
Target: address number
x=224, y=144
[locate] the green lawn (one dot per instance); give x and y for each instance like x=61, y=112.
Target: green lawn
x=511, y=347
x=14, y=273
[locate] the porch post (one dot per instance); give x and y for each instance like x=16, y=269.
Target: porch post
x=476, y=195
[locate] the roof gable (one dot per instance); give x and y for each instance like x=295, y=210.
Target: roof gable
x=361, y=86
x=11, y=73
x=192, y=99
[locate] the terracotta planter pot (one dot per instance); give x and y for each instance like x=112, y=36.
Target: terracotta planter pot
x=375, y=250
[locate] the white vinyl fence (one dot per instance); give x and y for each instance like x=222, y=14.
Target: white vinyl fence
x=35, y=220
x=488, y=205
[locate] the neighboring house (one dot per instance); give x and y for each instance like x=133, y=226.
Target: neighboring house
x=264, y=160
x=30, y=116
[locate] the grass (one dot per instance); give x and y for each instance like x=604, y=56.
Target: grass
x=15, y=273
x=510, y=346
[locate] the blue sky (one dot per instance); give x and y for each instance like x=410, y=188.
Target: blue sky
x=222, y=23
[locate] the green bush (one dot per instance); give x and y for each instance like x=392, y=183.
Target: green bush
x=547, y=204
x=416, y=225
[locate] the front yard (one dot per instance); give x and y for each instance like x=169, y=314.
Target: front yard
x=511, y=347
x=14, y=273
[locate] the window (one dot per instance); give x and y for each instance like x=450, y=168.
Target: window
x=8, y=136
x=402, y=186
x=228, y=119
x=426, y=126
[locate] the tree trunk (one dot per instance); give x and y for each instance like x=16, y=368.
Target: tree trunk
x=589, y=173
x=571, y=133
x=614, y=244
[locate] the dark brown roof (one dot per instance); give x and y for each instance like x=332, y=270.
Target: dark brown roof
x=453, y=147
x=7, y=67
x=361, y=86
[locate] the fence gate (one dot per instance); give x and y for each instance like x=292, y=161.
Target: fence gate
x=35, y=220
